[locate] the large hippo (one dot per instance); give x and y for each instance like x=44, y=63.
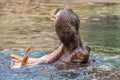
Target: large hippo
x=71, y=53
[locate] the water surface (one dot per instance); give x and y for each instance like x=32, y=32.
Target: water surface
x=29, y=25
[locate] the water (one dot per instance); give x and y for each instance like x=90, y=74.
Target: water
x=30, y=25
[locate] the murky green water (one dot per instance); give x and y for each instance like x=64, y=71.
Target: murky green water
x=24, y=25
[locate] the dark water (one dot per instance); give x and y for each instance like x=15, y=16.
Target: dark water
x=30, y=25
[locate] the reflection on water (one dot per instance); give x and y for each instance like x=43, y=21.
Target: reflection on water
x=24, y=25
x=105, y=31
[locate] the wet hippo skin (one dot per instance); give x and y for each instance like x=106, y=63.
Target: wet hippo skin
x=67, y=26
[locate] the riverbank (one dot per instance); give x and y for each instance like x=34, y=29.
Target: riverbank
x=60, y=1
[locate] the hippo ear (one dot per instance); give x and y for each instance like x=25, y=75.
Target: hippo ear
x=57, y=10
